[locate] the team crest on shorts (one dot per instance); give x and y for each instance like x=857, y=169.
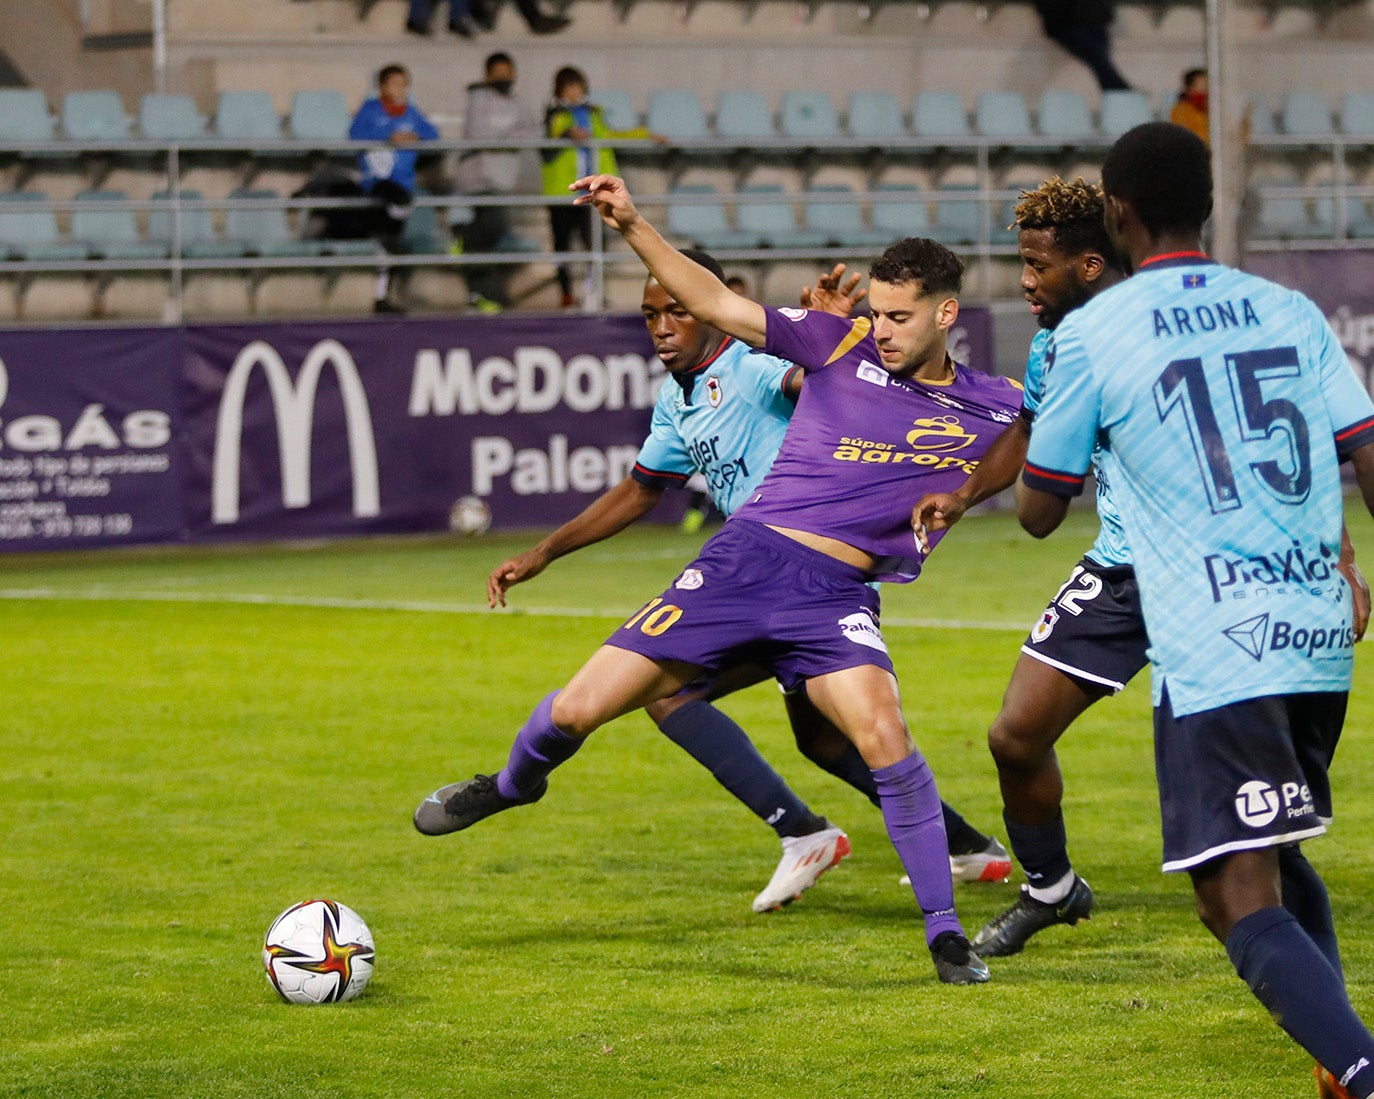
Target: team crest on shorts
x=862, y=629
x=1045, y=626
x=690, y=580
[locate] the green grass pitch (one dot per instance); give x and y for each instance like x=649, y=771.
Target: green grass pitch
x=194, y=739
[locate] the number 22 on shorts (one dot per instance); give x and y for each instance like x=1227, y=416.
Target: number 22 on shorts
x=655, y=617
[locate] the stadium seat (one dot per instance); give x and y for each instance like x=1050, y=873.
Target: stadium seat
x=939, y=115
x=1002, y=115
x=839, y=219
x=1123, y=110
x=247, y=116
x=677, y=113
x=1261, y=118
x=24, y=115
x=617, y=109
x=264, y=231
x=1357, y=115
x=1064, y=115
x=29, y=233
x=703, y=223
x=320, y=114
x=1285, y=217
x=874, y=114
x=95, y=116
x=807, y=115
x=905, y=215
x=743, y=114
x=198, y=237
x=1358, y=219
x=773, y=224
x=1305, y=114
x=170, y=118
x=956, y=214
x=111, y=234
x=422, y=234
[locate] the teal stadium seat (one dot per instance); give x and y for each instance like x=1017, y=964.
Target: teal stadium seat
x=198, y=237
x=677, y=113
x=1261, y=117
x=1123, y=110
x=29, y=232
x=808, y=115
x=1286, y=217
x=1064, y=115
x=264, y=231
x=24, y=115
x=938, y=117
x=1002, y=115
x=956, y=214
x=1357, y=115
x=773, y=224
x=743, y=115
x=111, y=234
x=703, y=223
x=421, y=235
x=875, y=115
x=839, y=219
x=247, y=116
x=1305, y=114
x=170, y=118
x=904, y=215
x=95, y=116
x=617, y=109
x=319, y=114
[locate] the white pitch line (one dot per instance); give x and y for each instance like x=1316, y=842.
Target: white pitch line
x=325, y=602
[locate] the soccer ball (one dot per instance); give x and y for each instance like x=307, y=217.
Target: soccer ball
x=470, y=515
x=318, y=952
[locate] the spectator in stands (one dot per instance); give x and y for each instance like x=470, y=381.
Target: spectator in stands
x=484, y=14
x=1080, y=26
x=388, y=174
x=460, y=20
x=1190, y=111
x=571, y=115
x=493, y=112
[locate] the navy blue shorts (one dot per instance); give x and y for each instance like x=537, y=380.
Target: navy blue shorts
x=1093, y=630
x=757, y=596
x=1248, y=775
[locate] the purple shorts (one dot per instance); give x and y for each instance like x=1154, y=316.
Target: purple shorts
x=754, y=595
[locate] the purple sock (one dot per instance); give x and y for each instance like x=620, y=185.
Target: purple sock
x=539, y=747
x=911, y=811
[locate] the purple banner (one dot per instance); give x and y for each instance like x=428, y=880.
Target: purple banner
x=322, y=429
x=1342, y=284
x=88, y=438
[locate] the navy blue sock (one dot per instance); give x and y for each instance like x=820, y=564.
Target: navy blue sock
x=1041, y=849
x=1291, y=977
x=723, y=748
x=964, y=839
x=849, y=767
x=1304, y=895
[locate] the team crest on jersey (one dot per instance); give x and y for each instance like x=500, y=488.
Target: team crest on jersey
x=874, y=375
x=793, y=314
x=862, y=629
x=690, y=580
x=1045, y=626
x=713, y=391
x=939, y=433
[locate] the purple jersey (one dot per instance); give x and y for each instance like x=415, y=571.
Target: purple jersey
x=864, y=445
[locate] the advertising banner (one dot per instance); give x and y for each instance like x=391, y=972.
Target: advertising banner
x=1342, y=284
x=88, y=437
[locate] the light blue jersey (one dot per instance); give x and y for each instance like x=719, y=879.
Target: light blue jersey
x=1226, y=403
x=725, y=420
x=1109, y=549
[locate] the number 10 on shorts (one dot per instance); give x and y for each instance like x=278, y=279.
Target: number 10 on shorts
x=655, y=617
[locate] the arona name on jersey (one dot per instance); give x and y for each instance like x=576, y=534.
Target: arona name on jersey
x=1216, y=316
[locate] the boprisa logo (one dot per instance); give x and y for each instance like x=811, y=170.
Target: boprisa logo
x=1254, y=637
x=145, y=429
x=293, y=404
x=1237, y=577
x=534, y=379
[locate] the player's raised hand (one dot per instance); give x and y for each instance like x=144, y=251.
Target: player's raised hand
x=833, y=293
x=935, y=511
x=512, y=571
x=611, y=198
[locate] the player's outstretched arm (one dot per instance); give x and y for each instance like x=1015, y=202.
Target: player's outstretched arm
x=691, y=285
x=1359, y=587
x=1040, y=513
x=997, y=471
x=608, y=514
